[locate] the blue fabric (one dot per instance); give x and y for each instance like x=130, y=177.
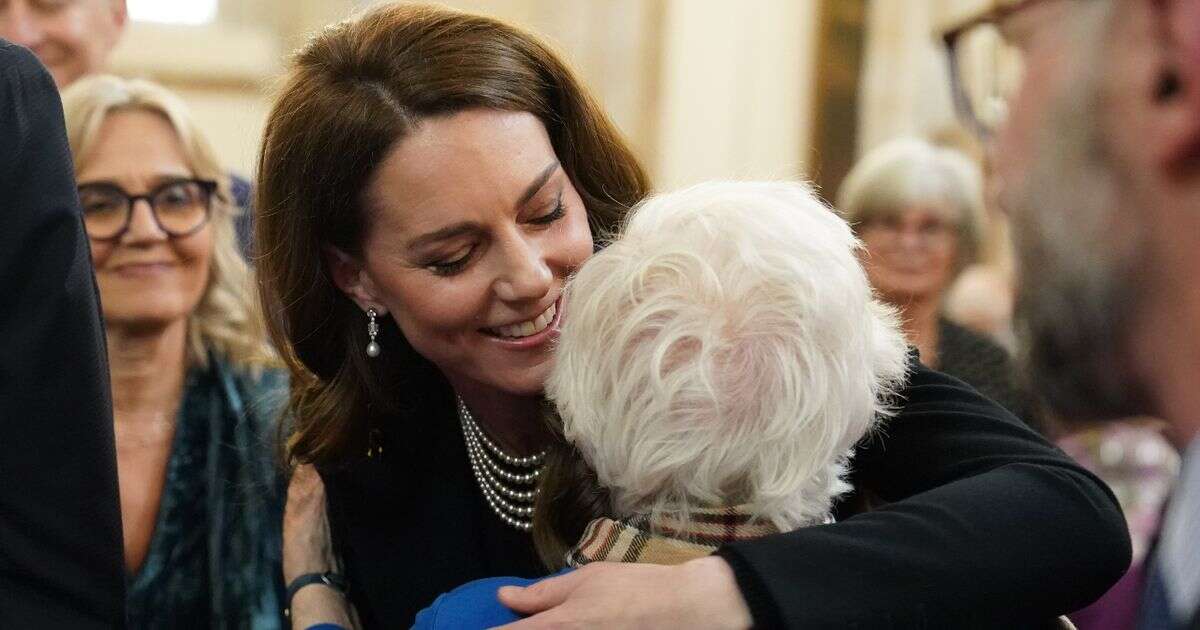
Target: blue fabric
x=214, y=559
x=473, y=605
x=325, y=626
x=243, y=223
x=1155, y=613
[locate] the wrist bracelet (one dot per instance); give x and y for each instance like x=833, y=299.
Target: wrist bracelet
x=333, y=580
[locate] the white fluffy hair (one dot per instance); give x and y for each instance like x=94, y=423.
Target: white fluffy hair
x=726, y=349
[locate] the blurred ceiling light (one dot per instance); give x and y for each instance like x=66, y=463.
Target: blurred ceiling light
x=173, y=11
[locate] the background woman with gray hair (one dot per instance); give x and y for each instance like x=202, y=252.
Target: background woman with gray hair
x=192, y=376
x=919, y=211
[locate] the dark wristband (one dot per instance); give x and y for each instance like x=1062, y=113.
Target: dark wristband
x=328, y=578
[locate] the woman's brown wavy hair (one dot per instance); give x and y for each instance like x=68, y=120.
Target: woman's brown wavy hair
x=350, y=95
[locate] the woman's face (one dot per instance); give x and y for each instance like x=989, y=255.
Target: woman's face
x=147, y=279
x=473, y=228
x=911, y=254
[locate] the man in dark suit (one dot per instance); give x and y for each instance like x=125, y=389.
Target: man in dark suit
x=1099, y=166
x=61, y=564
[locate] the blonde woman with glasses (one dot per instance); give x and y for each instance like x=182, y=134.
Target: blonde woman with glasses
x=192, y=378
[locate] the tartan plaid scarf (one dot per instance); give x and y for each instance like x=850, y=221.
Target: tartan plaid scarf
x=665, y=540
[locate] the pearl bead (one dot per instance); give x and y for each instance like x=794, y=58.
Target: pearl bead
x=488, y=461
x=373, y=349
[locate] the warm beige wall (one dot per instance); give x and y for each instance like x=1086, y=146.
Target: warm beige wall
x=225, y=70
x=702, y=88
x=736, y=95
x=905, y=88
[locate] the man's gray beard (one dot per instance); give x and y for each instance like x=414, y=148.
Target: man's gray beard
x=1079, y=255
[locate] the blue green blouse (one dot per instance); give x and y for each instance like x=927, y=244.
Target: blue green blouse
x=214, y=558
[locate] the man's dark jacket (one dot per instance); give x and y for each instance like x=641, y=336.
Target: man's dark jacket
x=61, y=564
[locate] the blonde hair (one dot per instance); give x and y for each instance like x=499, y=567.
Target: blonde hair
x=725, y=349
x=226, y=321
x=911, y=171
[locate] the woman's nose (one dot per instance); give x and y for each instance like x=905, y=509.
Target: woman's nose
x=142, y=224
x=910, y=239
x=525, y=275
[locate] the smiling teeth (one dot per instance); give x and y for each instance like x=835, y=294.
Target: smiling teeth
x=525, y=329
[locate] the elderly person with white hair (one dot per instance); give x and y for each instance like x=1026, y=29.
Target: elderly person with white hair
x=919, y=211
x=723, y=357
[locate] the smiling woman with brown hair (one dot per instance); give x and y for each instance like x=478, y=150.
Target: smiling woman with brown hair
x=192, y=376
x=428, y=181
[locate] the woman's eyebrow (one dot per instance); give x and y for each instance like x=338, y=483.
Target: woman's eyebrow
x=462, y=228
x=154, y=181
x=447, y=232
x=537, y=184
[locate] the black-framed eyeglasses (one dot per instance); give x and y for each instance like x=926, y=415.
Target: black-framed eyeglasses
x=180, y=207
x=986, y=67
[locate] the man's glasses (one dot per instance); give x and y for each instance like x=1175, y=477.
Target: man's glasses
x=986, y=67
x=179, y=207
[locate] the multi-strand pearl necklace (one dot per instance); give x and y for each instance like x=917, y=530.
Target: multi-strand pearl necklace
x=500, y=475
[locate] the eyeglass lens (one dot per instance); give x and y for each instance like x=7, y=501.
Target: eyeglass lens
x=989, y=69
x=179, y=208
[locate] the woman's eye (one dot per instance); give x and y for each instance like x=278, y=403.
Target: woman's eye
x=91, y=206
x=932, y=228
x=554, y=215
x=450, y=267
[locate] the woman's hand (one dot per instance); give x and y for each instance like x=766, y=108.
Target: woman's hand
x=307, y=545
x=701, y=593
x=308, y=548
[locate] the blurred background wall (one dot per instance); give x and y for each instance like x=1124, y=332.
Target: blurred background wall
x=703, y=88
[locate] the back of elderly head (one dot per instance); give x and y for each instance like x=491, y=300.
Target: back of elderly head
x=725, y=349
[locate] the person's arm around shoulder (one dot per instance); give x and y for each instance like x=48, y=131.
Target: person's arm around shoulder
x=989, y=525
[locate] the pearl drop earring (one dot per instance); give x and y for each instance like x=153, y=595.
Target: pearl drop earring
x=373, y=348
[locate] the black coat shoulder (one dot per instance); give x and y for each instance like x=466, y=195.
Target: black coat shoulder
x=61, y=561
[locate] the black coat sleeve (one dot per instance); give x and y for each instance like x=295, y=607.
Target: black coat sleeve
x=61, y=563
x=985, y=525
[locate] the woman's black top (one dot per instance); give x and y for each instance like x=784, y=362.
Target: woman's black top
x=984, y=365
x=989, y=526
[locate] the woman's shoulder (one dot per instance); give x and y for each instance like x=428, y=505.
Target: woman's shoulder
x=259, y=378
x=256, y=393
x=963, y=346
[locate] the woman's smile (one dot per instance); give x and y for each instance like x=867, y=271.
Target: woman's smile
x=531, y=333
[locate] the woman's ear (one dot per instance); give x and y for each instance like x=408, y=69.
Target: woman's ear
x=351, y=277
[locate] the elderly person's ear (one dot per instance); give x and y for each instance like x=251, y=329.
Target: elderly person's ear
x=351, y=277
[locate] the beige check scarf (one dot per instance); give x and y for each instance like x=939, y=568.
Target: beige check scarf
x=666, y=539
